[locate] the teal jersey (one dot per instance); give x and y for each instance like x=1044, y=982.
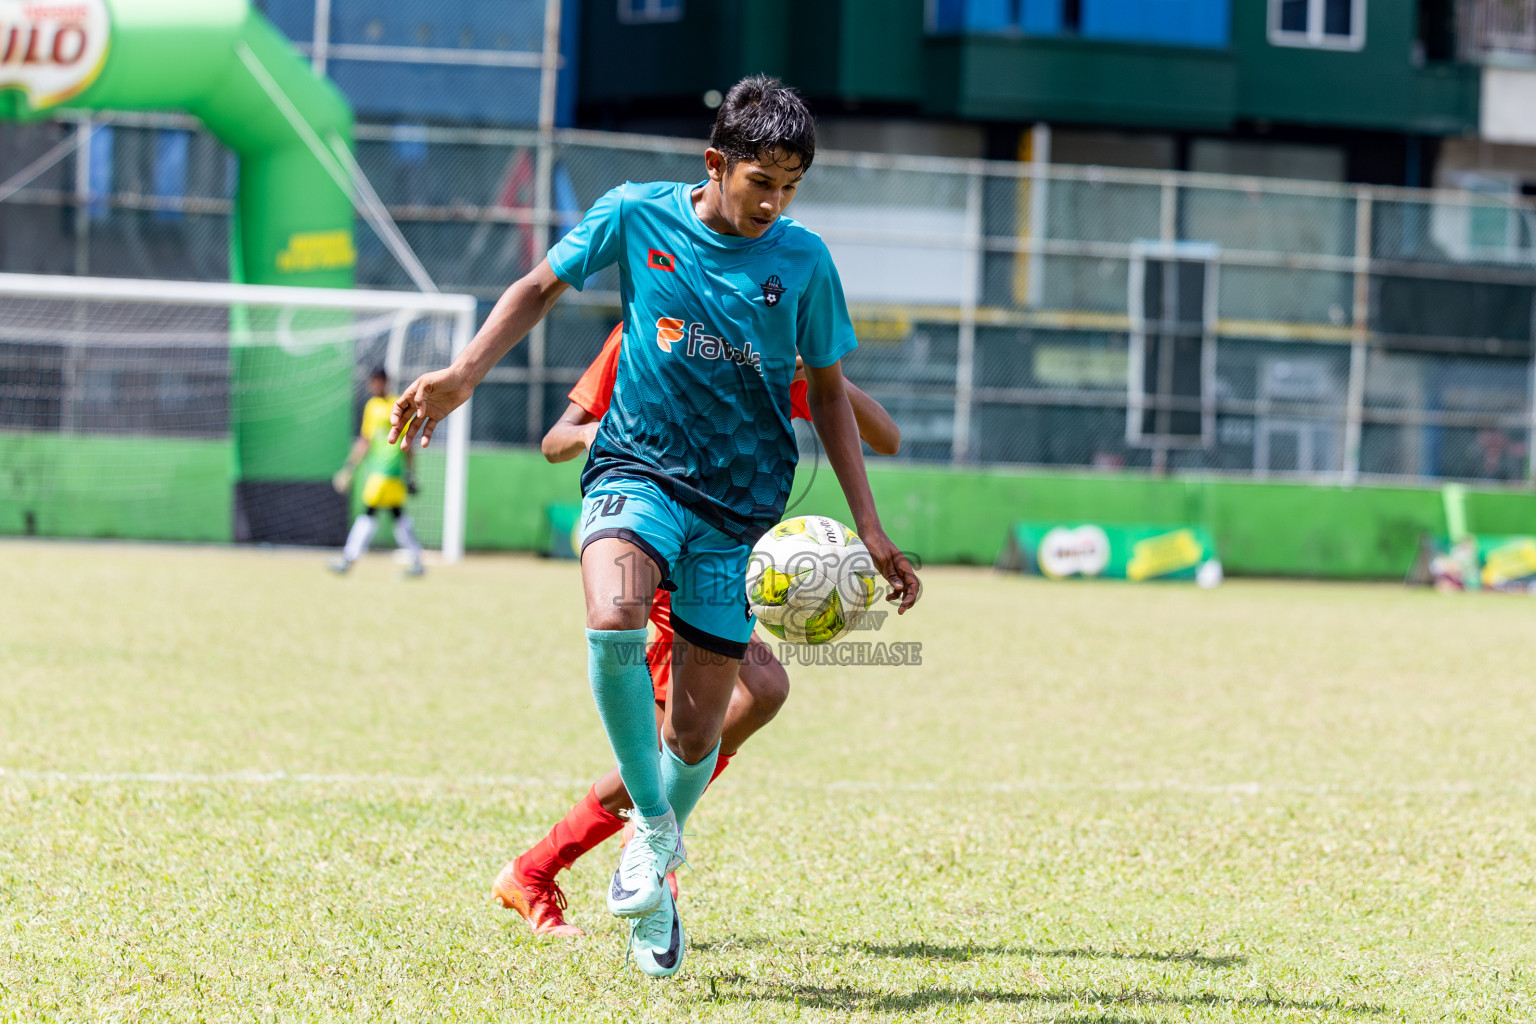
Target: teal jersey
x=712, y=324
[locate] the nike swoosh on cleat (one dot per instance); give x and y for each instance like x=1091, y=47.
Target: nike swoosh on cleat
x=669, y=958
x=618, y=891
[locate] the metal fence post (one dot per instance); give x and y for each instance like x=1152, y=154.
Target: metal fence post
x=322, y=40
x=1039, y=183
x=1168, y=231
x=83, y=131
x=543, y=201
x=1168, y=211
x=970, y=295
x=1360, y=334
x=1530, y=407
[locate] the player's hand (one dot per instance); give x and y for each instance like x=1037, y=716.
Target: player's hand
x=342, y=481
x=895, y=567
x=422, y=406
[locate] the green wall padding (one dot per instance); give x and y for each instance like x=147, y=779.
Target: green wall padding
x=1501, y=512
x=962, y=516
x=84, y=485
x=509, y=489
x=108, y=486
x=1270, y=529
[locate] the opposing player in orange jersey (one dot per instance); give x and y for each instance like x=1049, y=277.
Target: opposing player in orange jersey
x=527, y=884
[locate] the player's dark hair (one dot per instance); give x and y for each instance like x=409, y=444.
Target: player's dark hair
x=379, y=373
x=760, y=115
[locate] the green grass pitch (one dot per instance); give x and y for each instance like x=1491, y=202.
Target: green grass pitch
x=235, y=788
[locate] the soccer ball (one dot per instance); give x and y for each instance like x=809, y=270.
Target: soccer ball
x=810, y=580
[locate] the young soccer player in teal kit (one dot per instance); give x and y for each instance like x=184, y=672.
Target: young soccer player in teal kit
x=694, y=460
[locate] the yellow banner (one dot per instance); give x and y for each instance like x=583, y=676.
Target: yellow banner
x=317, y=250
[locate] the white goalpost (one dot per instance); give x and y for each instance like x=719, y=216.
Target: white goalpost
x=178, y=410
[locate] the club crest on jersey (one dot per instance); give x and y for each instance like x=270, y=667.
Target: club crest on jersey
x=670, y=330
x=772, y=289
x=658, y=260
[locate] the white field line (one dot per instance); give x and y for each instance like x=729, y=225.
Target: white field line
x=259, y=778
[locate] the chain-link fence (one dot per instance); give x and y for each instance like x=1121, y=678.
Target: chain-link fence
x=1008, y=314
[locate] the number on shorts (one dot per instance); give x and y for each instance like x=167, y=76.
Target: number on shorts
x=610, y=505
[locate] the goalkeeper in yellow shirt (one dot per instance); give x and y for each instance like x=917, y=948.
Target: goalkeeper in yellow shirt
x=389, y=482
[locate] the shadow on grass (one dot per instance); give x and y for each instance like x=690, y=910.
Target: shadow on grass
x=856, y=1000
x=932, y=951
x=938, y=951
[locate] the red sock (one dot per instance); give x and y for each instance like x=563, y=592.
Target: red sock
x=720, y=765
x=583, y=828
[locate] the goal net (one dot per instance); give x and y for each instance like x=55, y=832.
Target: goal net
x=172, y=410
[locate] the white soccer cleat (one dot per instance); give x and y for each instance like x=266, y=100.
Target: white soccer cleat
x=656, y=940
x=655, y=851
x=338, y=565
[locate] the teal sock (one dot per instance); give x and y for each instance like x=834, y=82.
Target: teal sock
x=621, y=685
x=684, y=783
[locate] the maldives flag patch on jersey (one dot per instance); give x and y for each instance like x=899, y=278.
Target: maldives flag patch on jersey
x=662, y=261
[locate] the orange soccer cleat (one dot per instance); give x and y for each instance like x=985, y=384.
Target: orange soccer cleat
x=629, y=830
x=539, y=900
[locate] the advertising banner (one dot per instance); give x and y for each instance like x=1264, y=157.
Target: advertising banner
x=51, y=51
x=1137, y=553
x=1502, y=563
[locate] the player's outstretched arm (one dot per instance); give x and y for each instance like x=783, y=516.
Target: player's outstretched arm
x=342, y=481
x=832, y=415
x=422, y=406
x=571, y=435
x=876, y=427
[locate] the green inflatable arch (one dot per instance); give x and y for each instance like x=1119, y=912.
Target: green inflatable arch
x=223, y=62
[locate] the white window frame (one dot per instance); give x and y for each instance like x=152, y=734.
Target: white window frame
x=1205, y=253
x=1314, y=37
x=651, y=12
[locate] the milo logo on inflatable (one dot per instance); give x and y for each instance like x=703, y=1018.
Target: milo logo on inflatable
x=1080, y=552
x=52, y=51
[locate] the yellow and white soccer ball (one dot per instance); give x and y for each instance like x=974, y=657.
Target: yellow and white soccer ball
x=811, y=580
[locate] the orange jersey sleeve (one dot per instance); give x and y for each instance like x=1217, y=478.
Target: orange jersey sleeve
x=799, y=408
x=594, y=391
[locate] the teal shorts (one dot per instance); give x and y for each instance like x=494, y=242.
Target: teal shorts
x=705, y=569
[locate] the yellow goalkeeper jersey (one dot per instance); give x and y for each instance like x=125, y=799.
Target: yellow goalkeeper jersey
x=383, y=458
